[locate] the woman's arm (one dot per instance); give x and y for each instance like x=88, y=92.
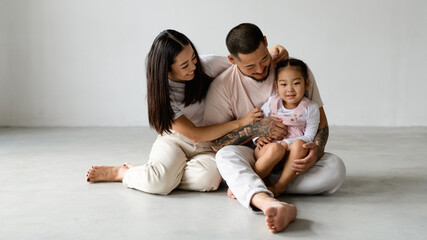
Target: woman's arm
x=278, y=53
x=208, y=133
x=214, y=65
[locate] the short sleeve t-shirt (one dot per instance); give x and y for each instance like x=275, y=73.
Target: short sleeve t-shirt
x=214, y=65
x=232, y=95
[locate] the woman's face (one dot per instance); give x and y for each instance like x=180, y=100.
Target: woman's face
x=184, y=65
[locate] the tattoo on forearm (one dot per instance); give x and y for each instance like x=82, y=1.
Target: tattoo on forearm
x=236, y=137
x=320, y=139
x=263, y=127
x=244, y=134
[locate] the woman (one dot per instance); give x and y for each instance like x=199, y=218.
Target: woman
x=181, y=157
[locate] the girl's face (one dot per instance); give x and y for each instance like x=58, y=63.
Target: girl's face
x=184, y=65
x=291, y=86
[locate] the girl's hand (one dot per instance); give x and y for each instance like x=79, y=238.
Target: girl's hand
x=278, y=53
x=253, y=116
x=262, y=141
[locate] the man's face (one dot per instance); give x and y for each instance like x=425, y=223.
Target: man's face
x=255, y=65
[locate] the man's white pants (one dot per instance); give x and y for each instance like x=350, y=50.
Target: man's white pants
x=235, y=163
x=175, y=162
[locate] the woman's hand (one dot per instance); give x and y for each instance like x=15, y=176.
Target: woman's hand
x=278, y=53
x=253, y=116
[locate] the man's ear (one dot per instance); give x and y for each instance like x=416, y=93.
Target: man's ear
x=231, y=59
x=265, y=41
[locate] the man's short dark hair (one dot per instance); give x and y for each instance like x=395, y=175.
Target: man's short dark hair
x=244, y=39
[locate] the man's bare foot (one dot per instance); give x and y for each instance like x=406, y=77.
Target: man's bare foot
x=278, y=215
x=230, y=193
x=106, y=173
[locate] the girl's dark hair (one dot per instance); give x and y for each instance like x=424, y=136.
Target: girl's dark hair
x=167, y=45
x=293, y=62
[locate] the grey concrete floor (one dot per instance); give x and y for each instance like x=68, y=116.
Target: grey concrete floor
x=43, y=193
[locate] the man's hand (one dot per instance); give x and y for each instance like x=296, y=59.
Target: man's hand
x=302, y=165
x=278, y=53
x=315, y=148
x=272, y=127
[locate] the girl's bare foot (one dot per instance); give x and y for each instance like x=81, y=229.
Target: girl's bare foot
x=278, y=215
x=106, y=173
x=230, y=193
x=276, y=190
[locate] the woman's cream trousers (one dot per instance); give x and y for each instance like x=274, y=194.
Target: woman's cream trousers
x=175, y=162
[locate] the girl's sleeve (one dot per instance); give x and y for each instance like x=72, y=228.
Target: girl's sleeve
x=214, y=65
x=312, y=124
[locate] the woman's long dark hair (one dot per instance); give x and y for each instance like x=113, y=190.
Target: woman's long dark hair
x=167, y=45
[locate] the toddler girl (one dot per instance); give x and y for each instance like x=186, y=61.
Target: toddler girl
x=300, y=114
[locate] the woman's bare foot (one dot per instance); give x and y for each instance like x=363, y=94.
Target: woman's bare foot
x=278, y=215
x=129, y=165
x=107, y=173
x=230, y=194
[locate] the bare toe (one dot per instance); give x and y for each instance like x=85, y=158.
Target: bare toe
x=129, y=165
x=230, y=193
x=106, y=174
x=279, y=215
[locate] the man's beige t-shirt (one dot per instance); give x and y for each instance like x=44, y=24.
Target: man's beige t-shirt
x=232, y=95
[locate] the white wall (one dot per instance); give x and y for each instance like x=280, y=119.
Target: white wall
x=81, y=63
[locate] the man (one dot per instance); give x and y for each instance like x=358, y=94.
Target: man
x=247, y=84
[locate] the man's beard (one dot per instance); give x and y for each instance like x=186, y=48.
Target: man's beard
x=258, y=80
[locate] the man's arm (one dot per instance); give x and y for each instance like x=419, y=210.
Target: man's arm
x=315, y=148
x=268, y=127
x=321, y=139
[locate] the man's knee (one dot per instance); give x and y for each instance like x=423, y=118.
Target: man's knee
x=337, y=171
x=232, y=152
x=227, y=150
x=231, y=155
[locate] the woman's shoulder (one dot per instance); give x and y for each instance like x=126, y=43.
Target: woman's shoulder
x=214, y=65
